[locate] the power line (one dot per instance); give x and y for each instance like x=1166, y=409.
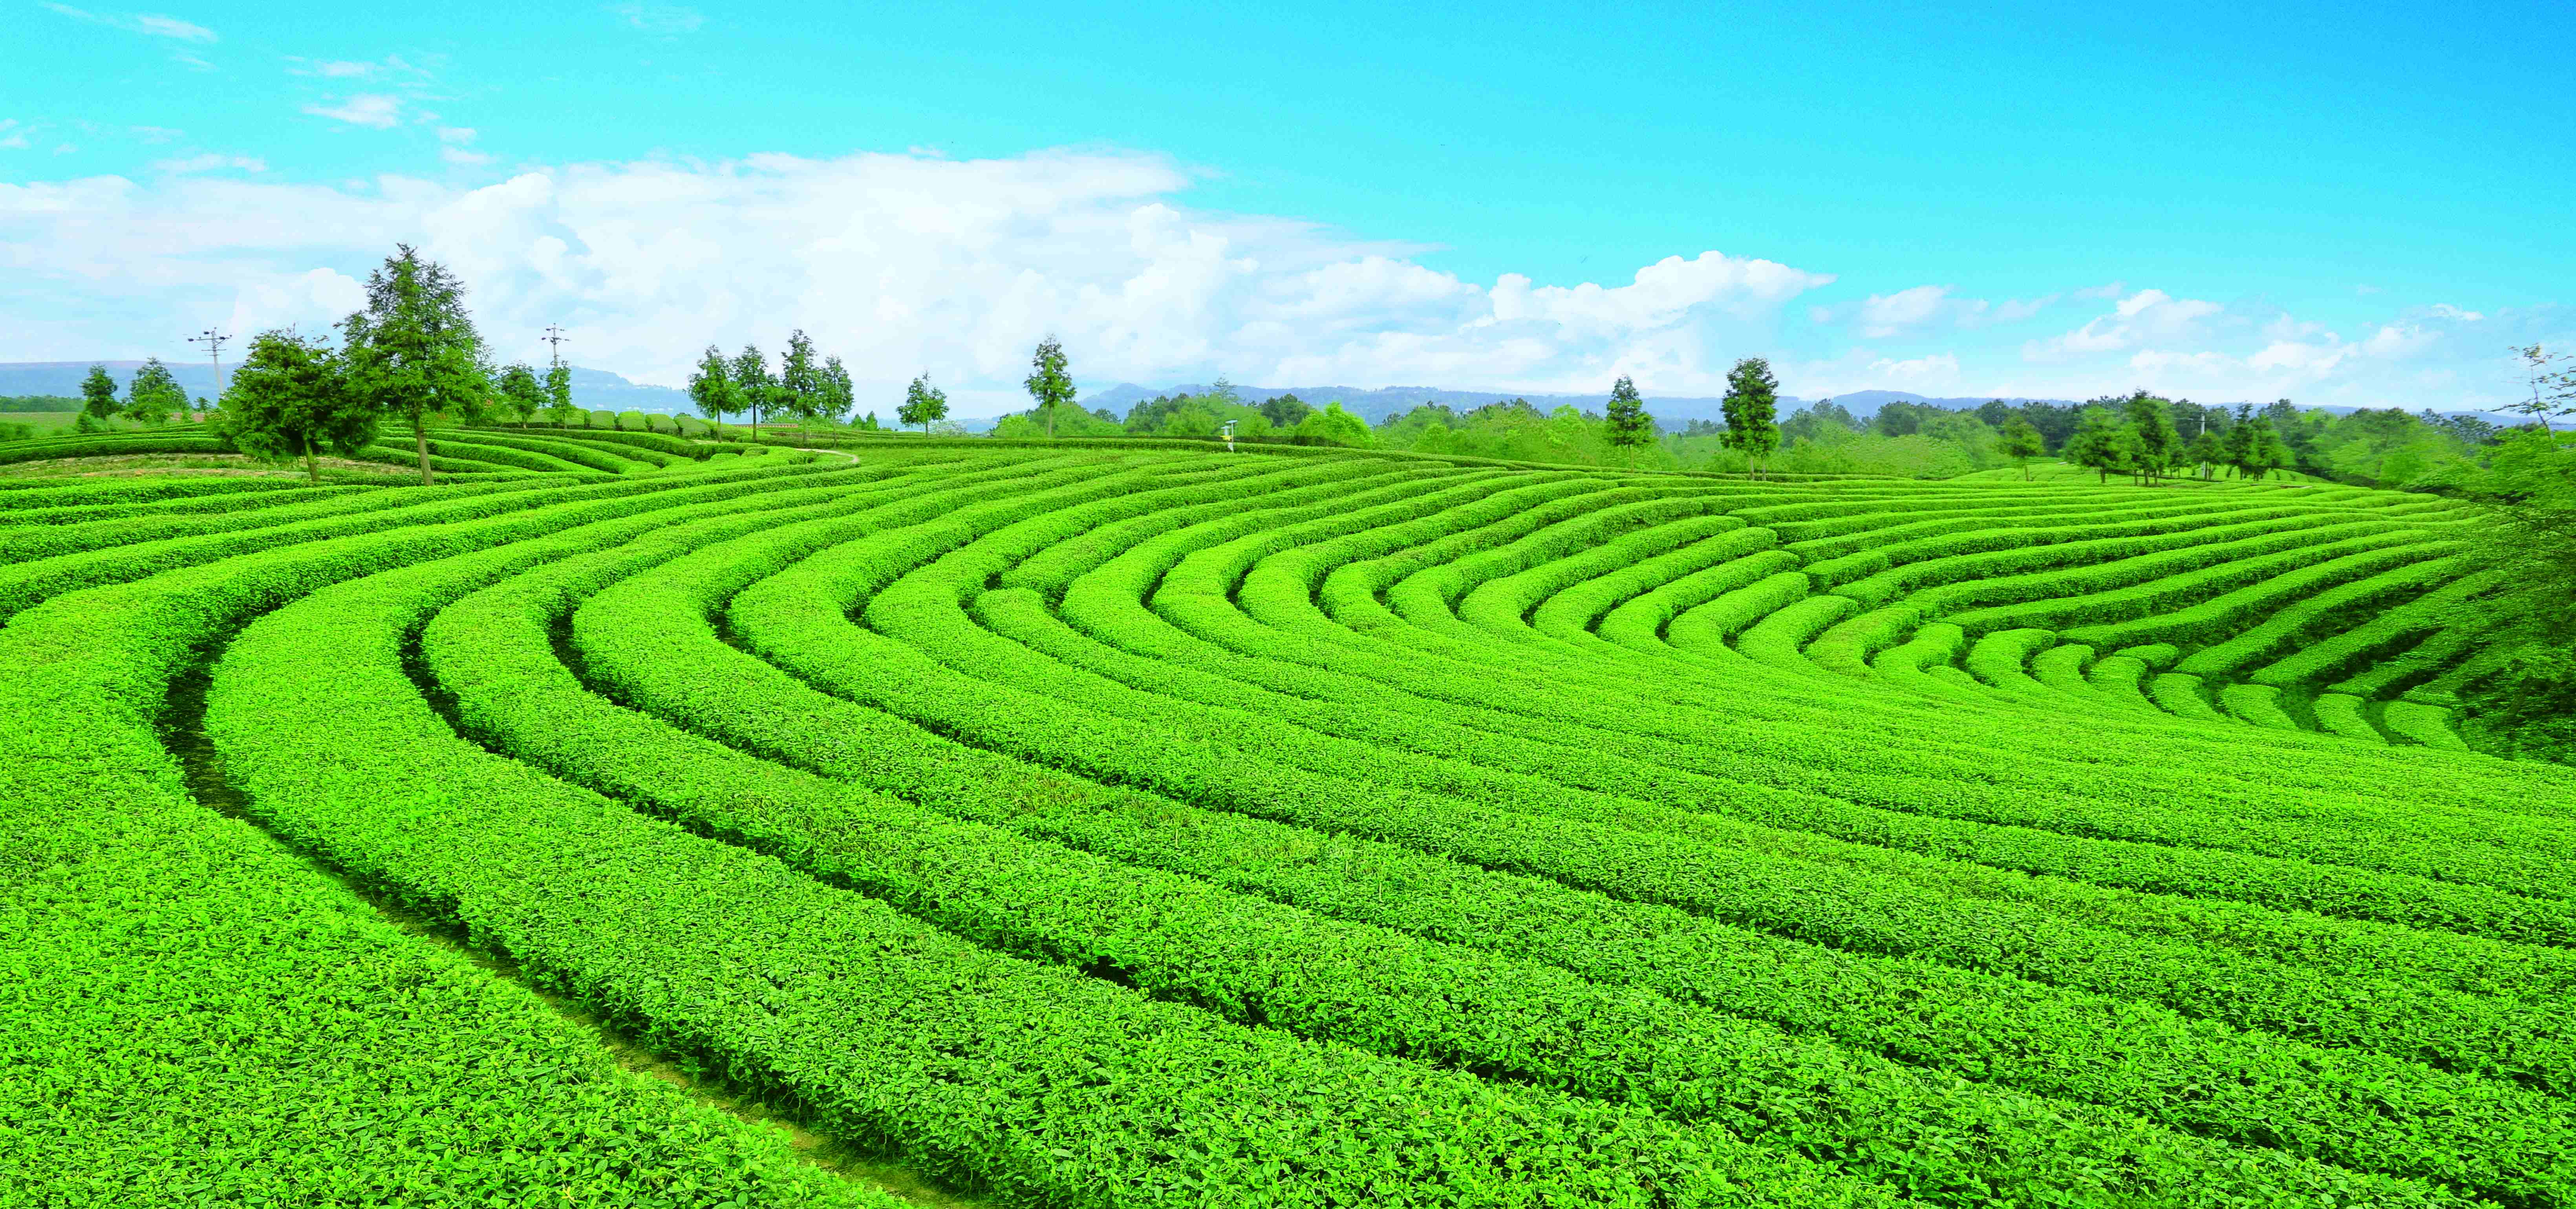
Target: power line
x=214, y=342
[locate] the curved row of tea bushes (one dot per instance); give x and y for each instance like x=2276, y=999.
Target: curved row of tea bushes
x=2125, y=822
x=1622, y=847
x=62, y=538
x=886, y=1029
x=193, y=1014
x=636, y=637
x=1247, y=959
x=621, y=459
x=505, y=457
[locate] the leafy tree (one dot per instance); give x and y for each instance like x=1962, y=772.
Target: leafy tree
x=291, y=399
x=754, y=390
x=838, y=394
x=2553, y=386
x=1336, y=426
x=800, y=378
x=2021, y=442
x=2205, y=451
x=1630, y=426
x=711, y=388
x=154, y=396
x=2096, y=443
x=413, y=352
x=2155, y=445
x=1284, y=411
x=2265, y=450
x=1752, y=407
x=559, y=406
x=2527, y=706
x=520, y=391
x=98, y=394
x=923, y=404
x=1047, y=381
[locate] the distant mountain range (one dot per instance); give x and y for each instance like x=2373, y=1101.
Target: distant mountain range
x=596, y=389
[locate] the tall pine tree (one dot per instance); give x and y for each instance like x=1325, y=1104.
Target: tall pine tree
x=800, y=378
x=413, y=352
x=1752, y=407
x=1630, y=427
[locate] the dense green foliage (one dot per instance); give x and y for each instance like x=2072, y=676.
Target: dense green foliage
x=1128, y=823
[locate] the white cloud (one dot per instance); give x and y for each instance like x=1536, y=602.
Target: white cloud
x=2143, y=317
x=909, y=263
x=13, y=134
x=375, y=109
x=898, y=263
x=1924, y=308
x=209, y=162
x=391, y=67
x=456, y=135
x=664, y=19
x=157, y=134
x=154, y=24
x=172, y=27
x=461, y=157
x=1885, y=315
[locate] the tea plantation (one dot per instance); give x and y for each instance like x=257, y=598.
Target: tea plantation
x=1135, y=824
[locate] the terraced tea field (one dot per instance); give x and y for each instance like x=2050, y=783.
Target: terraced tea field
x=1124, y=825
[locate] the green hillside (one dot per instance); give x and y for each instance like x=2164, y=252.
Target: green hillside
x=1127, y=823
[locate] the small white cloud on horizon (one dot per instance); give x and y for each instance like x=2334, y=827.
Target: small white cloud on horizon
x=381, y=111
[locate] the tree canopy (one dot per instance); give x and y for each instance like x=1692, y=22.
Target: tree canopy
x=412, y=352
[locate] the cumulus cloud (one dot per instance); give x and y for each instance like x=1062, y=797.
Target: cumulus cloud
x=905, y=263
x=900, y=264
x=379, y=110
x=14, y=135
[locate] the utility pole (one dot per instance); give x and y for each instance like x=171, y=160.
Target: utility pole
x=214, y=342
x=555, y=337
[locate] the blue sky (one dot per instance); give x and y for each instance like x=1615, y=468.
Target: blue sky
x=2335, y=204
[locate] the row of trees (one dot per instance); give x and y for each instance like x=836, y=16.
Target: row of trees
x=152, y=397
x=803, y=388
x=410, y=354
x=2142, y=441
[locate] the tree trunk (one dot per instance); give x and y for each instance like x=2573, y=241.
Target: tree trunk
x=1050, y=410
x=420, y=444
x=311, y=471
